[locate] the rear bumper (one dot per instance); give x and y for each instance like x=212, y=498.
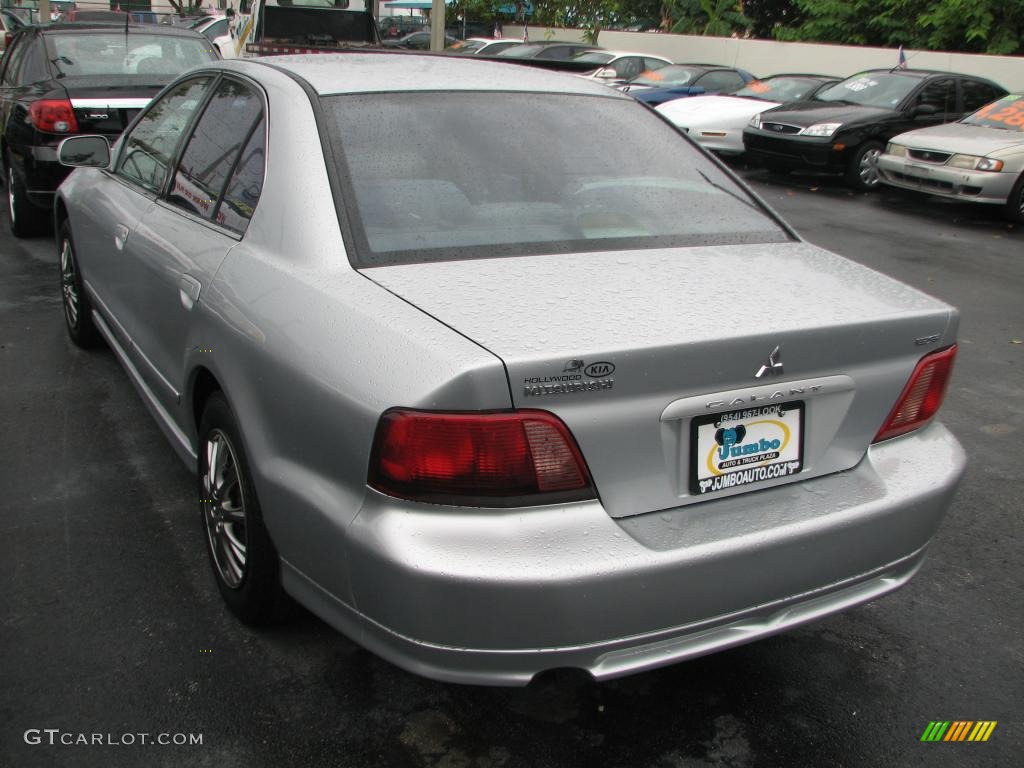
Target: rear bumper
x=496, y=597
x=41, y=173
x=954, y=183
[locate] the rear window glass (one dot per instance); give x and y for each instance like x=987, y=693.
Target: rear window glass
x=778, y=89
x=426, y=184
x=667, y=76
x=115, y=53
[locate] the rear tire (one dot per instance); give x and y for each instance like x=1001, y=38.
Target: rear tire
x=245, y=562
x=77, y=307
x=862, y=172
x=1014, y=208
x=26, y=220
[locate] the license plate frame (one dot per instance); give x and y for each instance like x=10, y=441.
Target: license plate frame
x=762, y=426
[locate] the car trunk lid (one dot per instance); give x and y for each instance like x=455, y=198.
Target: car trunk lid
x=106, y=106
x=633, y=350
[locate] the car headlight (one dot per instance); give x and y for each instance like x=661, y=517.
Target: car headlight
x=755, y=121
x=897, y=150
x=975, y=163
x=821, y=129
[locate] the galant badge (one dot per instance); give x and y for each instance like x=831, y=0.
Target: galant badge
x=772, y=366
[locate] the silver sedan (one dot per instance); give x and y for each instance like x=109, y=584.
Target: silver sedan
x=979, y=159
x=501, y=395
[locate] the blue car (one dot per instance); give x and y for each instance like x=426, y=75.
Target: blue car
x=655, y=87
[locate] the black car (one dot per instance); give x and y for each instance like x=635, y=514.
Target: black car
x=63, y=79
x=844, y=129
x=548, y=50
x=417, y=41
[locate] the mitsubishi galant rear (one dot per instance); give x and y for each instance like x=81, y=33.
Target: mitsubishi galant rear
x=499, y=395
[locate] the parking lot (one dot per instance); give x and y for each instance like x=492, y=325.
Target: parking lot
x=112, y=625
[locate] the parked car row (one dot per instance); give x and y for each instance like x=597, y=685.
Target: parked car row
x=958, y=136
x=338, y=335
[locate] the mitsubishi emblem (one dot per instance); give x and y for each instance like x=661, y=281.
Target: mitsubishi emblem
x=772, y=366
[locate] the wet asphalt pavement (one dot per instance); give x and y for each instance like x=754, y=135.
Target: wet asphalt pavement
x=110, y=622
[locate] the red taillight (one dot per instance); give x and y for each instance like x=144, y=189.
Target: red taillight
x=486, y=459
x=53, y=116
x=922, y=396
x=8, y=37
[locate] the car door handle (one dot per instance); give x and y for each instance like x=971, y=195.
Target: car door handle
x=189, y=289
x=120, y=236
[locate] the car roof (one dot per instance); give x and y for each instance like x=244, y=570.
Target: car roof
x=807, y=75
x=370, y=72
x=620, y=54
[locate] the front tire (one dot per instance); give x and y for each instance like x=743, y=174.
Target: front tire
x=1014, y=208
x=862, y=172
x=77, y=307
x=245, y=562
x=25, y=219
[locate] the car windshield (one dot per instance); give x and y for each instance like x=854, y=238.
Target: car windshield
x=777, y=89
x=520, y=178
x=115, y=53
x=593, y=57
x=666, y=76
x=1006, y=114
x=872, y=89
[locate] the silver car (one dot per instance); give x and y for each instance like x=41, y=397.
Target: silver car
x=979, y=159
x=489, y=406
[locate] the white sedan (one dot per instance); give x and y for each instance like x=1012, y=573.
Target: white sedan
x=717, y=121
x=614, y=67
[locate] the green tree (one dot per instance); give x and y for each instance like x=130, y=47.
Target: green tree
x=718, y=18
x=974, y=26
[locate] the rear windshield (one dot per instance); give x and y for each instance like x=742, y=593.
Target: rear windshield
x=526, y=174
x=778, y=89
x=115, y=53
x=666, y=76
x=1006, y=113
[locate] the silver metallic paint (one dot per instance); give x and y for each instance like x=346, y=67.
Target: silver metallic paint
x=310, y=352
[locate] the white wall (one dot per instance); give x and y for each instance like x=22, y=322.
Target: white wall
x=768, y=57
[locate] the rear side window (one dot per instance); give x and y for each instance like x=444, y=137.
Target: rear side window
x=12, y=59
x=150, y=147
x=246, y=184
x=214, y=148
x=977, y=94
x=715, y=82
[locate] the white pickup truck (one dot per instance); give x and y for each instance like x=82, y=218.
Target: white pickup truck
x=269, y=27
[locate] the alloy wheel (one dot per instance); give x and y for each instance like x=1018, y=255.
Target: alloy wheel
x=223, y=508
x=69, y=283
x=868, y=169
x=10, y=195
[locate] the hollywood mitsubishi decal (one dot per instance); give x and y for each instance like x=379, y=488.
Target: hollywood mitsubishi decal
x=576, y=376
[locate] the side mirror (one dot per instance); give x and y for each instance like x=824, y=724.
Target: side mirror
x=923, y=110
x=84, y=152
x=607, y=74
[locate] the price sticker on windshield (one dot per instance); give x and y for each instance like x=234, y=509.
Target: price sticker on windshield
x=1008, y=111
x=860, y=84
